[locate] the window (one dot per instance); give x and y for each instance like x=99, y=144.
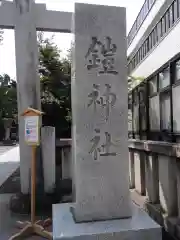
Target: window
x=155, y=35
x=150, y=41
x=136, y=112
x=154, y=114
x=138, y=21
x=165, y=111
x=171, y=16
x=159, y=31
x=176, y=109
x=130, y=113
x=153, y=86
x=136, y=57
x=146, y=8
x=140, y=52
x=147, y=46
x=133, y=63
x=161, y=28
x=144, y=47
x=130, y=120
x=175, y=10
x=135, y=97
x=152, y=38
x=167, y=20
x=163, y=25
x=142, y=92
x=151, y=3
x=139, y=55
x=164, y=78
x=177, y=71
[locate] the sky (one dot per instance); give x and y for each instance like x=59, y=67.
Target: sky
x=63, y=41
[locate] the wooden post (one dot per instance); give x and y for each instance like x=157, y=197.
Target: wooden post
x=32, y=139
x=33, y=185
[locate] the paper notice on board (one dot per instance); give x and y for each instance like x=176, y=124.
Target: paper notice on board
x=32, y=130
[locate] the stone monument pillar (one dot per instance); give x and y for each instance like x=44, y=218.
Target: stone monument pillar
x=100, y=125
x=28, y=87
x=103, y=209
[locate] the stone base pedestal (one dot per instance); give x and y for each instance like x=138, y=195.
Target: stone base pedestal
x=139, y=227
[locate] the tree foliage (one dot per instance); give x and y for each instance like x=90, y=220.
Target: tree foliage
x=55, y=77
x=8, y=101
x=134, y=81
x=8, y=97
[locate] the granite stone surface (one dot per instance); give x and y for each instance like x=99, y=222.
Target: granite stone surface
x=100, y=113
x=139, y=227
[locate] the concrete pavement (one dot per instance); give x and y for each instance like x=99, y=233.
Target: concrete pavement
x=9, y=162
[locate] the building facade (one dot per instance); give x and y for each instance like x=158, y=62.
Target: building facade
x=154, y=55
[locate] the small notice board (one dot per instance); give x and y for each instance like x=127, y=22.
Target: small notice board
x=32, y=126
x=32, y=130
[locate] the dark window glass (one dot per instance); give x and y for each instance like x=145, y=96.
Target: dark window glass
x=155, y=35
x=167, y=20
x=164, y=78
x=133, y=62
x=139, y=52
x=142, y=92
x=136, y=57
x=135, y=97
x=128, y=68
x=176, y=12
x=177, y=71
x=142, y=47
x=176, y=108
x=130, y=120
x=171, y=16
x=150, y=40
x=159, y=31
x=163, y=22
x=132, y=67
x=144, y=50
x=153, y=85
x=154, y=114
x=147, y=46
x=165, y=111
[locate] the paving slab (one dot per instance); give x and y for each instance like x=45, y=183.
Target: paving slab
x=9, y=162
x=8, y=225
